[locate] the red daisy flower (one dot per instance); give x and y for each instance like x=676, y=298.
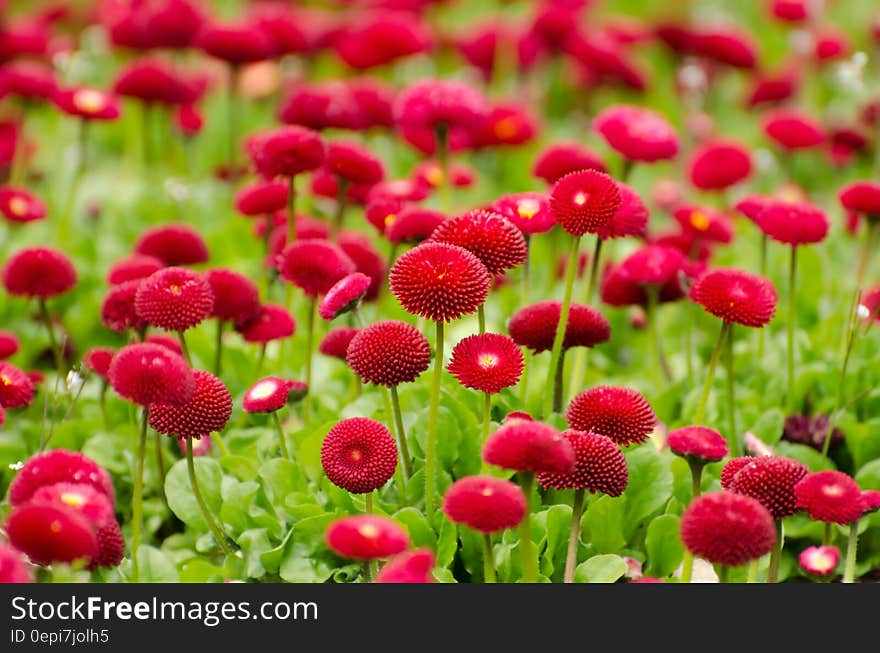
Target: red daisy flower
x=717, y=165
x=314, y=265
x=751, y=206
x=727, y=46
x=599, y=466
x=699, y=443
x=51, y=533
x=530, y=212
x=771, y=480
x=173, y=244
x=870, y=501
x=262, y=196
x=829, y=496
x=736, y=296
x=272, y=322
x=38, y=272
x=359, y=455
x=366, y=260
x=87, y=103
x=16, y=388
x=584, y=201
x=267, y=395
x=344, y=296
x=237, y=43
x=335, y=343
x=58, y=466
x=731, y=468
x=534, y=326
x=149, y=374
x=630, y=219
x=493, y=239
x=861, y=197
x=484, y=503
x=637, y=133
x=9, y=344
x=488, y=362
x=413, y=566
x=819, y=560
x=286, y=151
x=618, y=413
x=366, y=537
x=704, y=223
x=439, y=281
x=793, y=11
x=793, y=223
x=118, y=311
x=389, y=352
x=83, y=498
x=98, y=360
x=13, y=567
x=560, y=159
x=236, y=298
x=727, y=528
x=653, y=265
x=529, y=446
x=412, y=224
x=27, y=79
x=353, y=163
x=792, y=130
x=151, y=80
x=170, y=343
x=20, y=205
x=132, y=268
x=111, y=545
x=207, y=411
x=380, y=38
x=175, y=299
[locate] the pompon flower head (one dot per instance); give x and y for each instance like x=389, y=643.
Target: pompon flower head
x=771, y=480
x=20, y=205
x=638, y=134
x=630, y=219
x=584, y=201
x=267, y=395
x=359, y=455
x=829, y=496
x=353, y=163
x=489, y=236
x=379, y=38
x=819, y=560
x=133, y=267
x=412, y=224
x=791, y=129
x=488, y=362
x=272, y=322
x=173, y=244
x=118, y=311
x=559, y=159
x=751, y=206
x=16, y=388
x=149, y=374
x=862, y=197
x=87, y=103
x=704, y=223
x=51, y=533
x=621, y=414
x=600, y=466
x=234, y=43
x=208, y=410
x=366, y=537
x=236, y=298
x=111, y=545
x=344, y=296
x=58, y=466
x=97, y=359
x=9, y=344
x=700, y=443
x=653, y=265
x=336, y=341
x=175, y=299
x=413, y=566
x=529, y=446
x=170, y=343
x=717, y=165
x=731, y=468
x=81, y=497
x=286, y=151
x=439, y=281
x=727, y=528
x=262, y=196
x=484, y=503
x=314, y=265
x=389, y=352
x=529, y=212
x=736, y=296
x=793, y=223
x=151, y=80
x=366, y=260
x=13, y=567
x=41, y=272
x=534, y=326
x=870, y=501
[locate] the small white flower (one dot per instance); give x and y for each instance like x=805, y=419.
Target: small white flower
x=74, y=381
x=863, y=312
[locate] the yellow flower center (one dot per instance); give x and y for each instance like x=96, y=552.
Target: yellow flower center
x=434, y=175
x=488, y=361
x=73, y=499
x=174, y=289
x=18, y=206
x=389, y=219
x=505, y=128
x=55, y=526
x=369, y=531
x=832, y=490
x=89, y=100
x=486, y=492
x=355, y=455
x=699, y=221
x=528, y=208
x=580, y=198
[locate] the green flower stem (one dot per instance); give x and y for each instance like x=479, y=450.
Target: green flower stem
x=401, y=434
x=57, y=352
x=291, y=211
x=828, y=534
x=487, y=417
x=310, y=343
x=206, y=512
x=137, y=499
x=182, y=338
x=558, y=382
x=216, y=437
x=852, y=332
x=752, y=576
x=102, y=403
x=687, y=567
x=775, y=554
x=218, y=347
x=488, y=559
x=526, y=546
x=661, y=367
x=852, y=543
x=282, y=440
x=146, y=138
x=524, y=301
x=524, y=379
x=723, y=573
x=160, y=466
x=368, y=503
x=792, y=307
x=78, y=171
x=696, y=468
x=398, y=471
x=580, y=360
x=556, y=353
x=433, y=411
x=689, y=345
x=481, y=319
x=574, y=533
x=732, y=437
x=261, y=358
x=710, y=375
x=18, y=171
x=762, y=269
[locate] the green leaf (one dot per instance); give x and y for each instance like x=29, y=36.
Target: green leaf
x=807, y=455
x=649, y=488
x=447, y=543
x=179, y=492
x=600, y=569
x=280, y=477
x=242, y=467
x=420, y=532
x=868, y=477
x=254, y=544
x=237, y=499
x=155, y=566
x=663, y=545
x=769, y=426
x=602, y=525
x=201, y=571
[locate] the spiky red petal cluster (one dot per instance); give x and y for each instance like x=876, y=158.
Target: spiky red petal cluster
x=38, y=272
x=484, y=503
x=354, y=163
x=111, y=545
x=829, y=496
x=286, y=151
x=529, y=446
x=336, y=342
x=130, y=268
x=207, y=411
x=584, y=201
x=621, y=414
x=174, y=298
x=413, y=566
x=491, y=237
x=267, y=395
x=272, y=322
x=58, y=466
x=344, y=295
x=770, y=480
x=793, y=223
x=411, y=224
x=488, y=362
x=559, y=159
x=173, y=244
x=366, y=537
x=639, y=134
x=630, y=219
x=149, y=374
x=314, y=265
x=736, y=296
x=599, y=466
x=731, y=468
x=118, y=311
x=698, y=442
x=389, y=352
x=16, y=387
x=236, y=298
x=534, y=326
x=359, y=455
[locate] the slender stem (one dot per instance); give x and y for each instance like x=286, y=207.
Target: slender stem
x=524, y=379
x=261, y=358
x=206, y=512
x=146, y=137
x=371, y=567
x=137, y=499
x=852, y=544
x=18, y=172
x=762, y=268
x=556, y=353
x=723, y=573
x=710, y=375
x=78, y=171
x=526, y=273
x=558, y=382
x=775, y=554
x=481, y=318
x=310, y=343
x=526, y=546
x=732, y=436
x=687, y=566
x=487, y=417
x=488, y=559
x=282, y=440
x=870, y=236
x=218, y=347
x=580, y=361
x=696, y=468
x=232, y=114
x=828, y=534
x=102, y=402
x=57, y=352
x=182, y=338
x=216, y=437
x=368, y=503
x=574, y=534
x=752, y=576
x=433, y=411
x=398, y=471
x=291, y=210
x=792, y=307
x=401, y=434
x=660, y=364
x=689, y=346
x=160, y=465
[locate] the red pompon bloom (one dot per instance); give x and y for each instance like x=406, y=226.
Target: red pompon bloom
x=529, y=446
x=235, y=43
x=704, y=223
x=770, y=480
x=335, y=343
x=267, y=395
x=97, y=359
x=366, y=537
x=792, y=11
x=412, y=224
x=638, y=134
x=286, y=151
x=653, y=265
x=26, y=79
x=38, y=272
x=484, y=503
x=272, y=322
x=861, y=197
x=439, y=281
x=174, y=244
x=9, y=344
x=699, y=443
x=344, y=296
x=51, y=533
x=793, y=223
x=388, y=353
x=20, y=205
x=560, y=159
x=731, y=468
x=170, y=343
x=630, y=219
x=621, y=414
x=413, y=566
x=727, y=46
x=534, y=326
x=529, y=212
x=175, y=299
x=380, y=38
x=772, y=88
x=359, y=455
x=111, y=545
x=506, y=124
x=489, y=236
x=488, y=362
x=118, y=311
x=829, y=496
x=584, y=201
x=792, y=130
x=751, y=206
x=16, y=387
x=150, y=374
x=314, y=265
x=13, y=568
x=727, y=528
x=134, y=267
x=207, y=411
x=58, y=466
x=819, y=560
x=736, y=296
x=81, y=497
x=152, y=81
x=236, y=298
x=262, y=196
x=600, y=466
x=870, y=501
x=718, y=165
x=353, y=163
x=366, y=260
x=87, y=103
x=188, y=120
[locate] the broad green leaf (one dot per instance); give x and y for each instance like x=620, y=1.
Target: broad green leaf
x=420, y=531
x=201, y=571
x=447, y=543
x=807, y=455
x=237, y=499
x=254, y=544
x=649, y=488
x=769, y=426
x=156, y=566
x=602, y=525
x=242, y=467
x=600, y=569
x=868, y=477
x=280, y=477
x=180, y=495
x=663, y=545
